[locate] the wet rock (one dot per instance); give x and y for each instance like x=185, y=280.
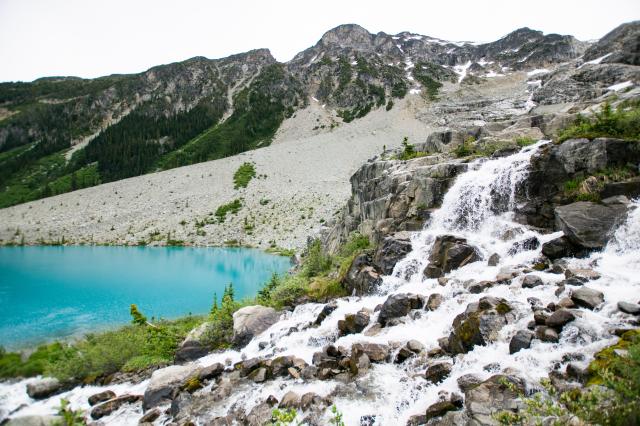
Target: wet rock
x=434, y=301
x=310, y=400
x=353, y=323
x=494, y=259
x=576, y=372
x=547, y=334
x=438, y=372
x=259, y=415
x=587, y=297
x=359, y=362
x=248, y=365
x=439, y=409
x=396, y=305
x=411, y=348
x=280, y=365
x=588, y=225
x=150, y=416
x=417, y=420
x=193, y=346
x=559, y=319
x=164, y=383
x=492, y=396
x=629, y=308
x=414, y=346
x=540, y=317
x=43, y=388
x=581, y=274
x=527, y=244
x=258, y=375
x=363, y=277
x=479, y=287
x=531, y=281
x=392, y=249
x=479, y=324
x=449, y=253
x=468, y=381
x=250, y=321
x=106, y=408
x=210, y=372
x=375, y=351
x=326, y=311
x=33, y=421
x=521, y=340
x=566, y=303
x=290, y=400
x=99, y=397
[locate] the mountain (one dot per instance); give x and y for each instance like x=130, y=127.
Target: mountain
x=59, y=134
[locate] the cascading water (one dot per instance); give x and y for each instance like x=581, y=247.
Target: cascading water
x=478, y=207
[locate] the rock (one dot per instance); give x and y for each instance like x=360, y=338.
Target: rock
x=326, y=311
x=250, y=321
x=531, y=281
x=417, y=420
x=33, y=421
x=527, y=244
x=414, y=346
x=260, y=415
x=192, y=347
x=479, y=287
x=540, y=317
x=493, y=396
x=479, y=324
x=449, y=253
x=566, y=303
x=438, y=372
x=559, y=247
x=310, y=400
x=620, y=45
x=559, y=319
x=375, y=351
x=521, y=340
x=434, y=301
x=629, y=308
x=587, y=297
x=363, y=277
x=396, y=305
x=392, y=249
x=353, y=323
x=547, y=334
x=150, y=416
x=439, y=409
x=99, y=397
x=210, y=372
x=581, y=274
x=43, y=388
x=588, y=225
x=290, y=400
x=164, y=383
x=258, y=375
x=106, y=408
x=468, y=381
x=494, y=259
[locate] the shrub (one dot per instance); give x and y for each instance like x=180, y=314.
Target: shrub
x=219, y=333
x=232, y=207
x=622, y=122
x=243, y=175
x=465, y=149
x=525, y=141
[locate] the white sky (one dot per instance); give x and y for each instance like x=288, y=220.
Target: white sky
x=90, y=38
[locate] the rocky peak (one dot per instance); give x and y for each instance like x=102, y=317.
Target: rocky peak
x=622, y=45
x=348, y=36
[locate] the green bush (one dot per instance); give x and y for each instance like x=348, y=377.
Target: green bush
x=243, y=175
x=465, y=149
x=525, y=141
x=232, y=207
x=622, y=122
x=219, y=333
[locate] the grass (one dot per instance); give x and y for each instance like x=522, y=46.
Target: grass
x=576, y=191
x=622, y=122
x=232, y=207
x=409, y=152
x=243, y=175
x=525, y=141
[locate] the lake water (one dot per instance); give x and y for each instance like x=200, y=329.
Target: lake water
x=56, y=292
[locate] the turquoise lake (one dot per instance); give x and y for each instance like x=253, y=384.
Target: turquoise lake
x=51, y=293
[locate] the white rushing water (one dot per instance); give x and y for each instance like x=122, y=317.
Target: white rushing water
x=479, y=207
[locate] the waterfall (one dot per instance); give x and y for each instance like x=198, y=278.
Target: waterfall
x=479, y=207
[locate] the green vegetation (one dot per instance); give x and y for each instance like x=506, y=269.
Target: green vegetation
x=243, y=175
x=69, y=416
x=284, y=417
x=431, y=75
x=280, y=251
x=232, y=207
x=587, y=188
x=465, y=148
x=525, y=141
x=409, y=152
x=219, y=333
x=622, y=122
x=611, y=397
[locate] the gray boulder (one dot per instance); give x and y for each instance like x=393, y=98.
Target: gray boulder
x=326, y=311
x=376, y=352
x=165, y=383
x=587, y=297
x=363, y=277
x=393, y=249
x=629, y=308
x=449, y=253
x=438, y=372
x=398, y=305
x=521, y=340
x=589, y=225
x=559, y=319
x=353, y=323
x=531, y=281
x=192, y=347
x=43, y=388
x=101, y=397
x=108, y=407
x=560, y=247
x=492, y=396
x=250, y=321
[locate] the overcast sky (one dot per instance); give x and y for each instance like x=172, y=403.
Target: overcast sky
x=90, y=38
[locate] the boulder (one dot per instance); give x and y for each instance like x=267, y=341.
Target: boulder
x=449, y=253
x=587, y=297
x=258, y=375
x=290, y=400
x=363, y=277
x=260, y=415
x=396, y=305
x=629, y=308
x=165, y=383
x=150, y=416
x=547, y=334
x=326, y=311
x=250, y=321
x=559, y=247
x=521, y=340
x=588, y=225
x=531, y=281
x=479, y=324
x=353, y=323
x=210, y=372
x=468, y=381
x=43, y=388
x=436, y=373
x=527, y=244
x=434, y=301
x=498, y=393
x=193, y=347
x=559, y=319
x=108, y=407
x=33, y=420
x=99, y=397
x=376, y=352
x=439, y=409
x=494, y=259
x=392, y=249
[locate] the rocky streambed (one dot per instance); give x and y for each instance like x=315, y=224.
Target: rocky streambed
x=445, y=325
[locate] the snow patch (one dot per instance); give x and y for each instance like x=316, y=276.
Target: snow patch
x=538, y=71
x=620, y=86
x=415, y=91
x=461, y=70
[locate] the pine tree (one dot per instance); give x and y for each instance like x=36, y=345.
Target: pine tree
x=137, y=317
x=214, y=308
